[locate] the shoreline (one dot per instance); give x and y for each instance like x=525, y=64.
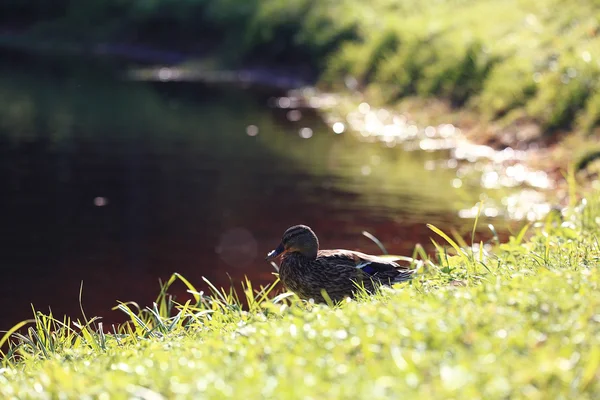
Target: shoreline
x=471, y=138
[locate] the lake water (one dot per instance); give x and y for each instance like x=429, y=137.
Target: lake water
x=118, y=183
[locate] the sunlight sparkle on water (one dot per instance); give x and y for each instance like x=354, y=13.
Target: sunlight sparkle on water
x=306, y=133
x=165, y=74
x=339, y=127
x=474, y=163
x=284, y=102
x=294, y=115
x=526, y=204
x=586, y=56
x=100, y=201
x=314, y=102
x=364, y=108
x=252, y=130
x=351, y=83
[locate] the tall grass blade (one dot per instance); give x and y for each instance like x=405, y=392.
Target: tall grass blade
x=476, y=222
x=137, y=321
x=452, y=243
x=496, y=237
x=522, y=232
x=191, y=287
x=376, y=241
x=215, y=291
x=11, y=331
x=572, y=186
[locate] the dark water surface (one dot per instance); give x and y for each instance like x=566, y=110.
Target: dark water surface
x=119, y=183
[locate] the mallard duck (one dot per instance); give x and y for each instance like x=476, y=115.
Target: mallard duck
x=306, y=270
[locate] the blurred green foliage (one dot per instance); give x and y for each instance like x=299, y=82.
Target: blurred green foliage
x=508, y=60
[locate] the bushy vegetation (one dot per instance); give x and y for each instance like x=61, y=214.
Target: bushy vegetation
x=512, y=60
x=521, y=322
x=295, y=31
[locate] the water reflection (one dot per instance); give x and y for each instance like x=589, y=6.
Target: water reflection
x=119, y=183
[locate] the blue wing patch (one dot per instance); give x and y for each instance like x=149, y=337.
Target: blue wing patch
x=369, y=269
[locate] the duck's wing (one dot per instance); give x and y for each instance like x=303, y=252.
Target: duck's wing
x=374, y=266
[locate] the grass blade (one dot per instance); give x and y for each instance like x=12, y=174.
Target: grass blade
x=12, y=330
x=376, y=241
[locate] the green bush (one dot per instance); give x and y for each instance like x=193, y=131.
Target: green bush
x=563, y=93
x=503, y=59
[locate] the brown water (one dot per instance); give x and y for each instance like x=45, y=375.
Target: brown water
x=118, y=183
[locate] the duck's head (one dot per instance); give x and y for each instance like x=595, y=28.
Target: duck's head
x=298, y=238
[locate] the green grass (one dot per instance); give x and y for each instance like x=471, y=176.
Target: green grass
x=507, y=73
x=507, y=60
x=510, y=61
x=519, y=322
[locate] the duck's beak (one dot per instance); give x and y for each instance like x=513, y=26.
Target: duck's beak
x=274, y=253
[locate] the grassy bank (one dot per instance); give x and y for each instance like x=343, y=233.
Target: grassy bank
x=521, y=322
x=519, y=63
x=509, y=60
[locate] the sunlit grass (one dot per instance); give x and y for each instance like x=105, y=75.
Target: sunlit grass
x=518, y=321
x=509, y=60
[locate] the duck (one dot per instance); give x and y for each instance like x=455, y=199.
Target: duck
x=308, y=271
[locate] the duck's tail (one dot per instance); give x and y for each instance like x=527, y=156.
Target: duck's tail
x=403, y=275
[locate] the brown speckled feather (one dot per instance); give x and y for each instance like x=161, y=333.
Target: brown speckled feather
x=338, y=272
x=307, y=271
